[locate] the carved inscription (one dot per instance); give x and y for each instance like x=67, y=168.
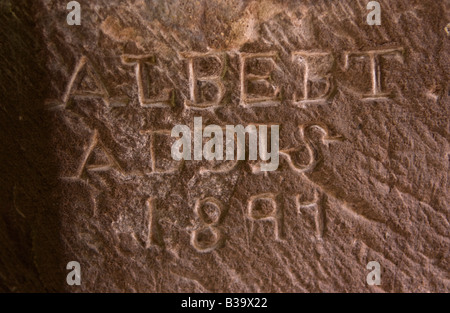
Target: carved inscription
x=263, y=208
x=140, y=62
x=85, y=83
x=161, y=163
x=311, y=76
x=319, y=215
x=257, y=88
x=154, y=235
x=196, y=79
x=313, y=151
x=259, y=80
x=209, y=235
x=207, y=70
x=374, y=57
x=96, y=148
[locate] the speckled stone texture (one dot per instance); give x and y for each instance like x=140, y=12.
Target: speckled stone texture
x=87, y=175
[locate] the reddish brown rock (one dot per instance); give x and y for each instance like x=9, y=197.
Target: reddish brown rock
x=364, y=138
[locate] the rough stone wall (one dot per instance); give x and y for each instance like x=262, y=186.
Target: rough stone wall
x=88, y=176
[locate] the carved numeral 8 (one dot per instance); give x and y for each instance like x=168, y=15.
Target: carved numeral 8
x=209, y=236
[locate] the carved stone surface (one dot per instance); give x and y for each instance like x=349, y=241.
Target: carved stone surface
x=86, y=119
